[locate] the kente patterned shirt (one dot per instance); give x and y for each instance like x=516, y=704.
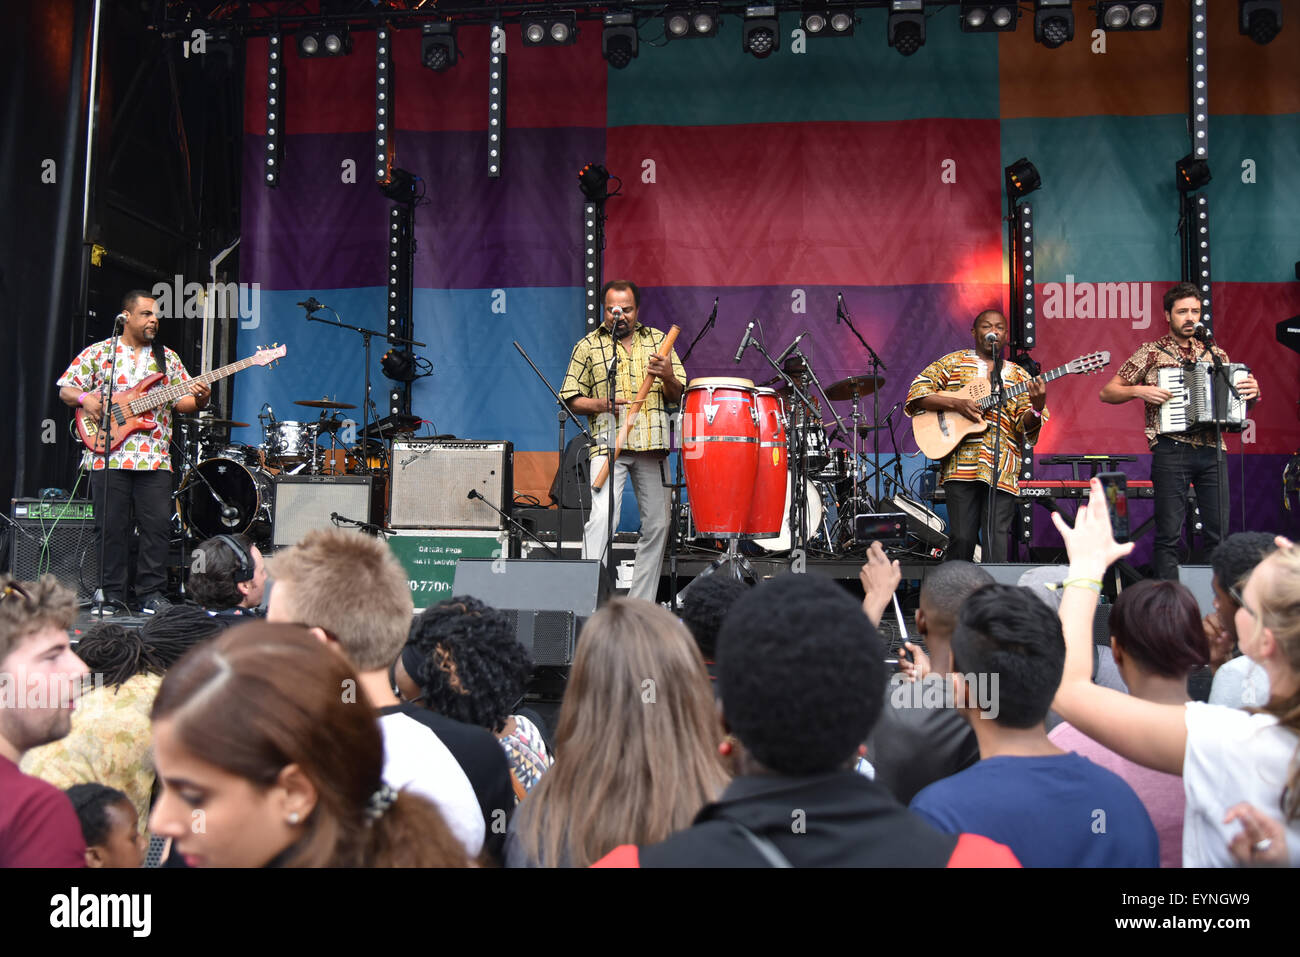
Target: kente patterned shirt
x=109, y=743
x=1164, y=353
x=527, y=753
x=972, y=460
x=90, y=371
x=587, y=377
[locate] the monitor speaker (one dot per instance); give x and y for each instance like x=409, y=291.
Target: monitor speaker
x=304, y=503
x=55, y=537
x=548, y=601
x=432, y=479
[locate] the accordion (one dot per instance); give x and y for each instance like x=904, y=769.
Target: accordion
x=1200, y=399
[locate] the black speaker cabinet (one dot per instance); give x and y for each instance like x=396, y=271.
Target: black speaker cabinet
x=55, y=537
x=304, y=503
x=432, y=478
x=548, y=601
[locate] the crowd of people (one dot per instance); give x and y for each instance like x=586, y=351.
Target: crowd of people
x=763, y=728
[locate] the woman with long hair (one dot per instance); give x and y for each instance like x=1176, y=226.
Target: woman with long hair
x=265, y=737
x=1225, y=755
x=636, y=748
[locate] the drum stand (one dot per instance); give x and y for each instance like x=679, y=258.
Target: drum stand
x=798, y=466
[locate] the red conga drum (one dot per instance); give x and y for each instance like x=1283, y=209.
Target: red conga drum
x=720, y=453
x=767, y=509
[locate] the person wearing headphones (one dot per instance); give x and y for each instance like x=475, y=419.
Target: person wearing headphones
x=228, y=577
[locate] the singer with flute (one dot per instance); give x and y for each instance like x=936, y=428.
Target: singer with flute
x=1177, y=458
x=608, y=370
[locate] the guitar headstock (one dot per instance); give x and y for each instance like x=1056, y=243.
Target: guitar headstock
x=1085, y=365
x=268, y=354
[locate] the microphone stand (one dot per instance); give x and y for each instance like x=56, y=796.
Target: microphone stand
x=997, y=447
x=611, y=387
x=708, y=324
x=798, y=479
x=98, y=601
x=1220, y=453
x=842, y=312
x=474, y=494
x=366, y=334
x=577, y=421
x=368, y=527
x=676, y=539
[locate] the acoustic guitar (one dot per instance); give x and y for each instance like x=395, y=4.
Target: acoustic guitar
x=938, y=433
x=133, y=408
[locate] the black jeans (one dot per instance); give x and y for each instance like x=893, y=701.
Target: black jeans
x=968, y=507
x=145, y=496
x=1174, y=466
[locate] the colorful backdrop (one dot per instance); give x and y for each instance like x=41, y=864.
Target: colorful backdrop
x=774, y=185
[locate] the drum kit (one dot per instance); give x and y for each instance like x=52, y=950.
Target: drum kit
x=226, y=486
x=747, y=447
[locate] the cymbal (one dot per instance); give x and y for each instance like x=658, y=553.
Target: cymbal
x=323, y=404
x=859, y=385
x=866, y=427
x=212, y=423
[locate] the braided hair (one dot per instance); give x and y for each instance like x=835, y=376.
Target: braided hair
x=471, y=666
x=122, y=653
x=91, y=801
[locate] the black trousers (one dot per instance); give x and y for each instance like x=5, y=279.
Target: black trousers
x=1174, y=466
x=968, y=504
x=139, y=497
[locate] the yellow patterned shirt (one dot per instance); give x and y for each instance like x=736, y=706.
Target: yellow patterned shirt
x=587, y=377
x=109, y=743
x=972, y=461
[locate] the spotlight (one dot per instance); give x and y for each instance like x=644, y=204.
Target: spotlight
x=828, y=21
x=907, y=25
x=437, y=46
x=594, y=181
x=400, y=187
x=1022, y=179
x=699, y=20
x=1115, y=15
x=321, y=42
x=761, y=33
x=399, y=365
x=988, y=17
x=1261, y=20
x=1053, y=22
x=1190, y=173
x=619, y=42
x=558, y=29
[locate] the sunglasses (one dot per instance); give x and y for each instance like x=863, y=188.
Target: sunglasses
x=1235, y=593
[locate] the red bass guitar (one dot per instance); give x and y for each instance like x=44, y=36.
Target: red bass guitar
x=133, y=409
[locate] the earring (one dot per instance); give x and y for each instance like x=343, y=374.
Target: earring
x=725, y=747
x=293, y=817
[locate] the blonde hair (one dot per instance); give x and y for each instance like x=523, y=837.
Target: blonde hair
x=636, y=746
x=353, y=587
x=1279, y=612
x=29, y=607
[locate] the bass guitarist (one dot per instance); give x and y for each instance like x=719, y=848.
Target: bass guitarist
x=138, y=477
x=968, y=470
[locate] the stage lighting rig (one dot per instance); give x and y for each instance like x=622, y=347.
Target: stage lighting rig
x=1261, y=20
x=1053, y=22
x=761, y=34
x=836, y=21
x=438, y=46
x=556, y=29
x=1115, y=15
x=1022, y=179
x=682, y=23
x=619, y=43
x=324, y=42
x=906, y=29
x=988, y=17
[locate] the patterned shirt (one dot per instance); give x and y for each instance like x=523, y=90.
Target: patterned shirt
x=89, y=372
x=109, y=743
x=1164, y=353
x=972, y=460
x=527, y=754
x=587, y=377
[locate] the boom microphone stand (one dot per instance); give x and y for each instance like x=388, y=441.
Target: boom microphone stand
x=876, y=365
x=105, y=420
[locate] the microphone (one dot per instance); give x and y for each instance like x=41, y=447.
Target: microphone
x=714, y=314
x=1203, y=333
x=782, y=357
x=744, y=343
x=311, y=305
x=839, y=307
x=991, y=338
x=473, y=493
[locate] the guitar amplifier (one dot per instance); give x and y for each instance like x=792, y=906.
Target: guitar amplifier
x=57, y=537
x=304, y=503
x=432, y=478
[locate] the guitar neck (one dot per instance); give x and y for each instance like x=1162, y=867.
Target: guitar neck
x=1011, y=392
x=174, y=393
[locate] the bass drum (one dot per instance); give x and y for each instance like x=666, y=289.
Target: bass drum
x=221, y=482
x=817, y=513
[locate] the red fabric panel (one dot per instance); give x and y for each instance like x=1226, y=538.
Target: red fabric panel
x=975, y=850
x=811, y=203
x=625, y=855
x=546, y=86
x=1244, y=317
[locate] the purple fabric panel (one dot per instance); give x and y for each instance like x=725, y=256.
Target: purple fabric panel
x=316, y=232
x=1263, y=500
x=890, y=318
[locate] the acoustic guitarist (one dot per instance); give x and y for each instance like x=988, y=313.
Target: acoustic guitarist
x=138, y=476
x=968, y=470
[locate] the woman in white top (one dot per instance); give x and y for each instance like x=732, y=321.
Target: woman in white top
x=1225, y=756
